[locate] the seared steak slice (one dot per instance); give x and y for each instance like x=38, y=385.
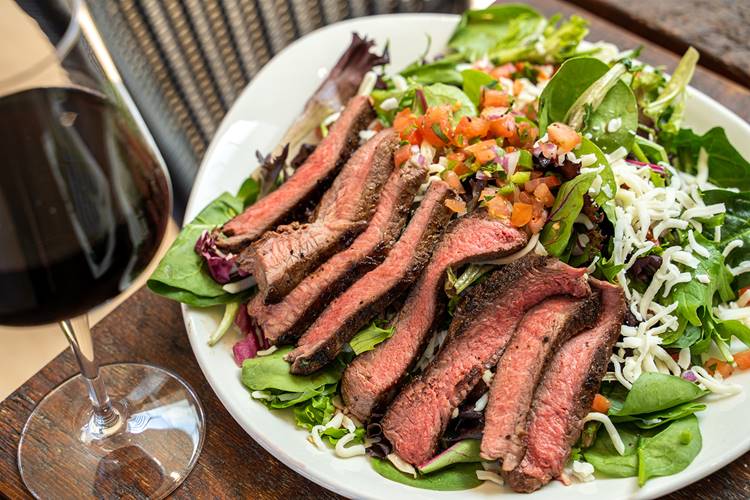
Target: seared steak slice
x=370, y=295
x=304, y=188
x=565, y=394
x=284, y=322
x=542, y=331
x=373, y=377
x=281, y=259
x=478, y=334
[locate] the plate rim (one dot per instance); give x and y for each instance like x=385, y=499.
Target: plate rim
x=703, y=469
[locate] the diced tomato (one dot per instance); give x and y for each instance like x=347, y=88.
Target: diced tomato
x=714, y=365
x=483, y=151
x=493, y=98
x=743, y=290
x=551, y=181
x=526, y=135
x=450, y=177
x=600, y=404
x=402, y=154
x=499, y=208
x=521, y=214
x=517, y=87
x=544, y=195
x=461, y=169
x=537, y=222
x=436, y=128
x=458, y=206
x=504, y=126
x=742, y=359
x=407, y=124
x=563, y=136
x=378, y=126
x=503, y=71
x=470, y=128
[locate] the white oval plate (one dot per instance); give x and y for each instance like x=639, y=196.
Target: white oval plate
x=256, y=122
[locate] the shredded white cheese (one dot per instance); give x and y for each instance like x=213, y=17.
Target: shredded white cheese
x=343, y=451
x=610, y=427
x=493, y=477
x=401, y=464
x=583, y=471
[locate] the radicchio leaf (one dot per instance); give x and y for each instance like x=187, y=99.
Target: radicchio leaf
x=222, y=266
x=254, y=340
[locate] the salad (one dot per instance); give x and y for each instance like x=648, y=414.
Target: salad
x=583, y=147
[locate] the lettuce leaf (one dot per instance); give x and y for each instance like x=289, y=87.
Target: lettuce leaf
x=369, y=337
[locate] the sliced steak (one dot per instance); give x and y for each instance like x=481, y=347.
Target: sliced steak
x=284, y=322
x=542, y=331
x=370, y=295
x=565, y=394
x=303, y=189
x=373, y=377
x=478, y=334
x=281, y=259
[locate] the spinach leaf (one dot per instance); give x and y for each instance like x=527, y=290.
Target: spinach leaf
x=440, y=71
x=439, y=94
x=658, y=418
x=498, y=26
x=667, y=109
x=653, y=392
x=367, y=338
x=466, y=451
x=182, y=275
x=473, y=82
x=648, y=453
x=569, y=200
x=736, y=225
x=272, y=372
x=670, y=451
x=605, y=459
x=454, y=478
x=726, y=167
x=572, y=80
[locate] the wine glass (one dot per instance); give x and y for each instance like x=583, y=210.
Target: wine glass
x=84, y=204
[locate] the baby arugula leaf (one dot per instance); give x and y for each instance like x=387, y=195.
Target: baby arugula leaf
x=726, y=167
x=605, y=98
x=667, y=109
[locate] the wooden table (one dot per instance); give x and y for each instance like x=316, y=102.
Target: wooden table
x=148, y=328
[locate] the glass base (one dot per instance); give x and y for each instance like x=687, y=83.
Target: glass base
x=148, y=455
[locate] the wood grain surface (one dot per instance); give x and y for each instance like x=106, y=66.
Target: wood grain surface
x=719, y=29
x=148, y=328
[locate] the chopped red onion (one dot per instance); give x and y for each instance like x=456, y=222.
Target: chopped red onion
x=656, y=168
x=483, y=176
x=245, y=349
x=689, y=376
x=421, y=160
x=414, y=149
x=511, y=161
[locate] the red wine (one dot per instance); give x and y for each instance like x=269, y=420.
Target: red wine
x=83, y=204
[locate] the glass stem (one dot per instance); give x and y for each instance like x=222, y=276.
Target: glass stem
x=78, y=333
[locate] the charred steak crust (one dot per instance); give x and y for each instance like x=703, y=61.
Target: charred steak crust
x=302, y=191
x=565, y=394
x=370, y=295
x=480, y=330
x=284, y=322
x=372, y=379
x=542, y=331
x=281, y=259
